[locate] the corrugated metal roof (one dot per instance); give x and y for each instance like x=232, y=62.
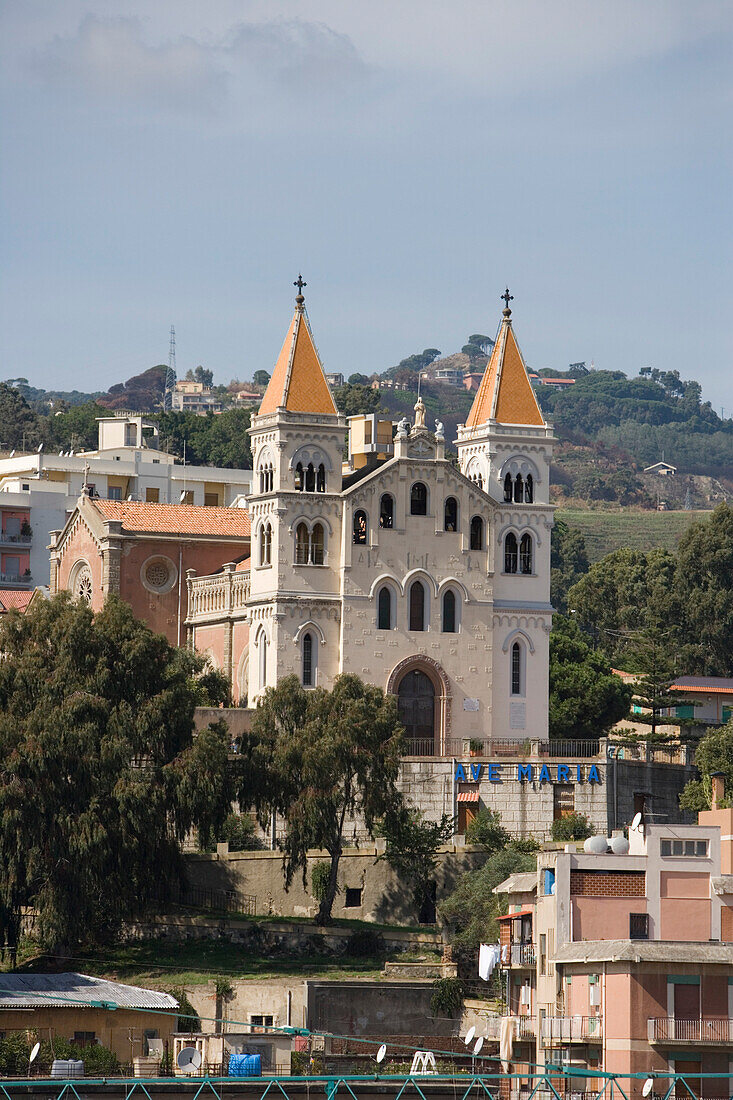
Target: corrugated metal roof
x=519, y=883
x=59, y=990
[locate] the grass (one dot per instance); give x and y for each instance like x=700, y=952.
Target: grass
x=605, y=531
x=159, y=965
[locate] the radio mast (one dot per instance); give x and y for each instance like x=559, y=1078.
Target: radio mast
x=170, y=374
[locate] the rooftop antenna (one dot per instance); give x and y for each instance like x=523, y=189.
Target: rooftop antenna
x=170, y=374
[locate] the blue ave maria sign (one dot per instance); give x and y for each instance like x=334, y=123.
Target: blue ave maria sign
x=527, y=773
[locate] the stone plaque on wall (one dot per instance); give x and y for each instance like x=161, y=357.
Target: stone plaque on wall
x=517, y=718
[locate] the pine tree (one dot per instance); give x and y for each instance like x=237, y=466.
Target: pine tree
x=648, y=655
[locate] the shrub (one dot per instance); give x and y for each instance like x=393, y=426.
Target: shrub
x=189, y=1019
x=447, y=996
x=14, y=1054
x=364, y=943
x=320, y=875
x=573, y=826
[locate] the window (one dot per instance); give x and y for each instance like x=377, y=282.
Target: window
x=450, y=514
x=301, y=544
x=114, y=492
x=638, y=926
x=299, y=479
x=308, y=677
x=352, y=899
x=265, y=544
x=684, y=848
x=321, y=479
x=516, y=675
x=152, y=496
x=317, y=544
x=525, y=554
x=449, y=613
x=419, y=499
x=85, y=1038
x=386, y=511
x=518, y=489
x=267, y=477
x=360, y=528
x=476, y=540
x=417, y=606
x=384, y=609
x=511, y=553
x=528, y=489
x=508, y=489
x=258, y=1022
x=310, y=478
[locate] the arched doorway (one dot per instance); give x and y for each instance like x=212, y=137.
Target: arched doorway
x=416, y=705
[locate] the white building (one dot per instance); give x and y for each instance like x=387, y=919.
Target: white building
x=45, y=487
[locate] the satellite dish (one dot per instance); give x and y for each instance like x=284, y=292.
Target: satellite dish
x=34, y=1053
x=40, y=448
x=649, y=1083
x=12, y=452
x=635, y=824
x=381, y=1053
x=189, y=1059
x=469, y=1035
x=479, y=1045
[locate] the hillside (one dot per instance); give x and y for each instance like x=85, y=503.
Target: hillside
x=605, y=531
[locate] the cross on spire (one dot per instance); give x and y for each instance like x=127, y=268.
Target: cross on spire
x=300, y=283
x=506, y=297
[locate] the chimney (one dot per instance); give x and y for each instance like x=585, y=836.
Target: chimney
x=718, y=793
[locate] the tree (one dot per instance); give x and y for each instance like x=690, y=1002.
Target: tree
x=714, y=754
x=260, y=378
x=209, y=440
x=101, y=778
x=328, y=756
x=205, y=377
x=573, y=826
x=358, y=380
x=486, y=831
x=76, y=428
x=412, y=848
x=485, y=343
x=704, y=592
x=19, y=424
x=356, y=400
x=647, y=654
x=568, y=563
x=586, y=698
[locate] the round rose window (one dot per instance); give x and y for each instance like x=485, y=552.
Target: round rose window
x=157, y=574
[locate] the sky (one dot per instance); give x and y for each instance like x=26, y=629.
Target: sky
x=173, y=162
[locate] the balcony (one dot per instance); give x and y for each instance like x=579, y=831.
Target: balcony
x=16, y=580
x=571, y=1029
x=15, y=540
x=524, y=1028
x=706, y=1031
x=219, y=596
x=518, y=954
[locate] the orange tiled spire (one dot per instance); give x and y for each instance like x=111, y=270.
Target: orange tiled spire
x=505, y=393
x=298, y=382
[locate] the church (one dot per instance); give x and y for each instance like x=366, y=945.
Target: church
x=425, y=576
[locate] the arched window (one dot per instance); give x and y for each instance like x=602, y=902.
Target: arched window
x=525, y=554
x=478, y=479
x=419, y=499
x=516, y=669
x=301, y=544
x=308, y=666
x=417, y=606
x=267, y=477
x=386, y=511
x=518, y=489
x=507, y=489
x=360, y=527
x=321, y=479
x=384, y=609
x=317, y=544
x=450, y=514
x=299, y=479
x=262, y=659
x=476, y=541
x=529, y=489
x=310, y=478
x=449, y=624
x=510, y=553
x=416, y=708
x=265, y=544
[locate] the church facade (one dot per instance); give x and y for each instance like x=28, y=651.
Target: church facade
x=428, y=578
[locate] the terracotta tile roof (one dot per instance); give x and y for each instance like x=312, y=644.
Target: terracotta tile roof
x=505, y=393
x=714, y=685
x=243, y=566
x=298, y=382
x=18, y=598
x=176, y=519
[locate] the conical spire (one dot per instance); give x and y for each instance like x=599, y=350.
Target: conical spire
x=298, y=383
x=505, y=393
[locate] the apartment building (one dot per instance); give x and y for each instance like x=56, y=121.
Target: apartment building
x=619, y=958
x=39, y=491
x=195, y=397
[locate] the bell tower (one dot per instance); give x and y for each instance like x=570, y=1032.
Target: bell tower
x=297, y=446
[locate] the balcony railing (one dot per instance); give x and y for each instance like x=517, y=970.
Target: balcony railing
x=518, y=954
x=571, y=1029
x=524, y=1027
x=217, y=596
x=15, y=540
x=706, y=1030
x=17, y=580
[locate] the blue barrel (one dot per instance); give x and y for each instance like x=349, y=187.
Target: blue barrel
x=245, y=1065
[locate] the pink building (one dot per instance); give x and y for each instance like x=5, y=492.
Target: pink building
x=15, y=545
x=622, y=961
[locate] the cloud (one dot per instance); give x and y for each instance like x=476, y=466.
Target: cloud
x=109, y=58
x=297, y=54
